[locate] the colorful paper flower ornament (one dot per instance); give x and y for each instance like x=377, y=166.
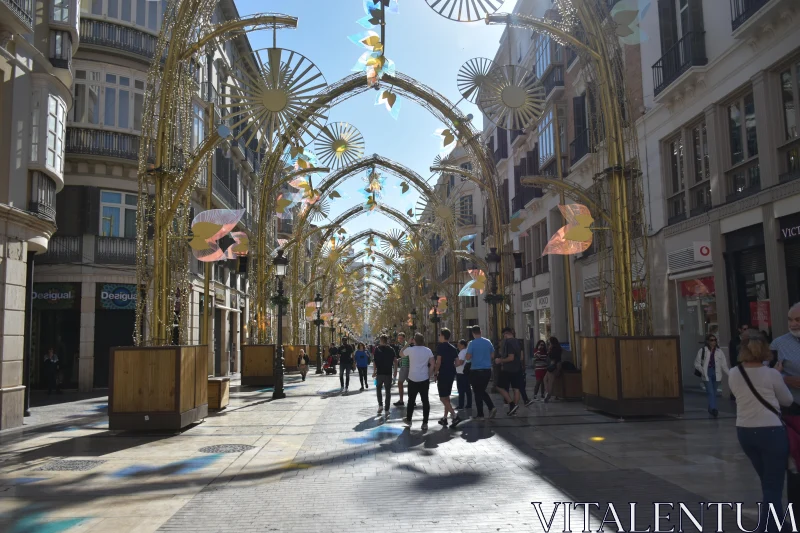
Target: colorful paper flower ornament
x=476, y=285
x=208, y=228
x=576, y=236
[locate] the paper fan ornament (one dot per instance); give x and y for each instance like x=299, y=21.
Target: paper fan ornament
x=239, y=248
x=465, y=10
x=339, y=144
x=576, y=236
x=471, y=77
x=511, y=97
x=208, y=228
x=476, y=285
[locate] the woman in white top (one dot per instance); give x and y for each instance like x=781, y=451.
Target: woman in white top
x=462, y=379
x=711, y=363
x=760, y=430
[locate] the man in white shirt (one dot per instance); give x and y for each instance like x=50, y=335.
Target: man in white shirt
x=420, y=370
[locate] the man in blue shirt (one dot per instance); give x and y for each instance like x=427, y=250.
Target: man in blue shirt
x=787, y=349
x=480, y=354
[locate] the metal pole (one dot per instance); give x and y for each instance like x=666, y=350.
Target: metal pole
x=567, y=264
x=26, y=362
x=319, y=341
x=205, y=333
x=277, y=392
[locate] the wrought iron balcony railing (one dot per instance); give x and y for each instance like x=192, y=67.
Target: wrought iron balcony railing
x=43, y=196
x=224, y=193
x=690, y=51
x=741, y=10
x=62, y=249
x=102, y=143
x=743, y=181
x=114, y=250
x=124, y=38
x=22, y=9
x=553, y=79
x=789, y=176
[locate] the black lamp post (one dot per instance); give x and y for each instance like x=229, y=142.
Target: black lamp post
x=281, y=265
x=435, y=318
x=493, y=260
x=318, y=323
x=340, y=327
x=333, y=328
x=413, y=322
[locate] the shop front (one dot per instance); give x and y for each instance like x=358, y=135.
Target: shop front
x=697, y=317
x=545, y=330
x=529, y=312
x=56, y=325
x=115, y=317
x=790, y=235
x=746, y=268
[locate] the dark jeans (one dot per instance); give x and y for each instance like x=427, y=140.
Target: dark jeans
x=462, y=383
x=768, y=450
x=524, y=386
x=384, y=382
x=421, y=388
x=362, y=376
x=480, y=380
x=344, y=370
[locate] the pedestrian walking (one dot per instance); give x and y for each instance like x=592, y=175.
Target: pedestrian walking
x=401, y=367
x=539, y=367
x=709, y=366
x=786, y=349
x=553, y=367
x=420, y=370
x=480, y=354
x=523, y=370
x=302, y=363
x=462, y=381
x=362, y=362
x=445, y=374
x=510, y=367
x=760, y=392
x=50, y=369
x=382, y=371
x=346, y=364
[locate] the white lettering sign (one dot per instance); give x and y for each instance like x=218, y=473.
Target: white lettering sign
x=702, y=251
x=543, y=302
x=528, y=306
x=53, y=295
x=791, y=232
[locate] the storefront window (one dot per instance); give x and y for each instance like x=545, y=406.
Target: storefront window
x=701, y=305
x=545, y=331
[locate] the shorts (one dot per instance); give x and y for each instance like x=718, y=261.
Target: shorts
x=510, y=379
x=540, y=373
x=402, y=374
x=445, y=385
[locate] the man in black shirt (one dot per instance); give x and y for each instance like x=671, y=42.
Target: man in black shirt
x=382, y=372
x=510, y=372
x=445, y=373
x=345, y=364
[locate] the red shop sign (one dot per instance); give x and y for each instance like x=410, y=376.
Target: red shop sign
x=698, y=287
x=760, y=315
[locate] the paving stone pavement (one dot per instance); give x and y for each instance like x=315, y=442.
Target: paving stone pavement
x=318, y=461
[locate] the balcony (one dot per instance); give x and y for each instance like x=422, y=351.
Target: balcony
x=106, y=34
x=743, y=180
x=516, y=134
x=501, y=153
x=579, y=147
x=789, y=176
x=678, y=217
x=700, y=209
x=285, y=227
x=224, y=193
x=114, y=250
x=750, y=17
x=553, y=80
x=17, y=15
x=62, y=249
x=43, y=196
x=102, y=143
x=687, y=53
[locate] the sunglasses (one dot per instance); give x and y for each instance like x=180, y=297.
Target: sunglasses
x=712, y=340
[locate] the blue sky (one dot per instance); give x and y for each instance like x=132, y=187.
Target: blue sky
x=422, y=44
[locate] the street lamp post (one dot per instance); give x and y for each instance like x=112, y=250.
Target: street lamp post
x=413, y=322
x=435, y=318
x=493, y=260
x=281, y=264
x=333, y=328
x=318, y=323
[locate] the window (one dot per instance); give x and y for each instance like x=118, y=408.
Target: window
x=198, y=124
x=682, y=10
x=470, y=301
x=56, y=110
x=60, y=48
x=117, y=214
x=539, y=241
x=60, y=11
x=117, y=95
x=677, y=182
x=145, y=13
x=745, y=177
x=35, y=129
x=546, y=138
x=465, y=209
x=700, y=192
x=790, y=153
x=542, y=55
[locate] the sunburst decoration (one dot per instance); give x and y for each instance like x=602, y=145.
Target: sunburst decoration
x=472, y=77
x=393, y=246
x=270, y=92
x=465, y=10
x=318, y=210
x=511, y=97
x=339, y=145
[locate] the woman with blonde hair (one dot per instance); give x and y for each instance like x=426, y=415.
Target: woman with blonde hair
x=709, y=365
x=760, y=392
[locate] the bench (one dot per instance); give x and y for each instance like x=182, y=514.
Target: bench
x=219, y=389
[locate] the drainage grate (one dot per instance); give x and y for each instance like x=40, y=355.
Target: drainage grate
x=63, y=465
x=226, y=448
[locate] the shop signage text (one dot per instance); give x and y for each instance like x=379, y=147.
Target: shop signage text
x=528, y=306
x=54, y=295
x=702, y=251
x=543, y=302
x=792, y=232
x=117, y=296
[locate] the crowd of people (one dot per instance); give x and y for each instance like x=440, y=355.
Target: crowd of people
x=468, y=365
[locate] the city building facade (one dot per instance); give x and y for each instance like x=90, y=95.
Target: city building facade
x=36, y=46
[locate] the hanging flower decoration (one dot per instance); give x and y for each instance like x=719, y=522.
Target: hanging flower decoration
x=576, y=236
x=239, y=248
x=467, y=242
x=208, y=228
x=448, y=140
x=441, y=307
x=628, y=15
x=476, y=285
x=389, y=99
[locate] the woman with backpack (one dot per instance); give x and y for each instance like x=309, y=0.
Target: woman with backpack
x=709, y=365
x=760, y=392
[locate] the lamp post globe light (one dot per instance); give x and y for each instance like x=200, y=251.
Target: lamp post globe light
x=435, y=318
x=318, y=323
x=281, y=264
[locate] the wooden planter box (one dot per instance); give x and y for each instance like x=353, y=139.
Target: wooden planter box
x=290, y=354
x=157, y=388
x=312, y=355
x=568, y=386
x=219, y=390
x=632, y=376
x=257, y=361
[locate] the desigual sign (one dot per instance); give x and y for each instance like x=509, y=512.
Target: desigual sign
x=117, y=296
x=54, y=295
